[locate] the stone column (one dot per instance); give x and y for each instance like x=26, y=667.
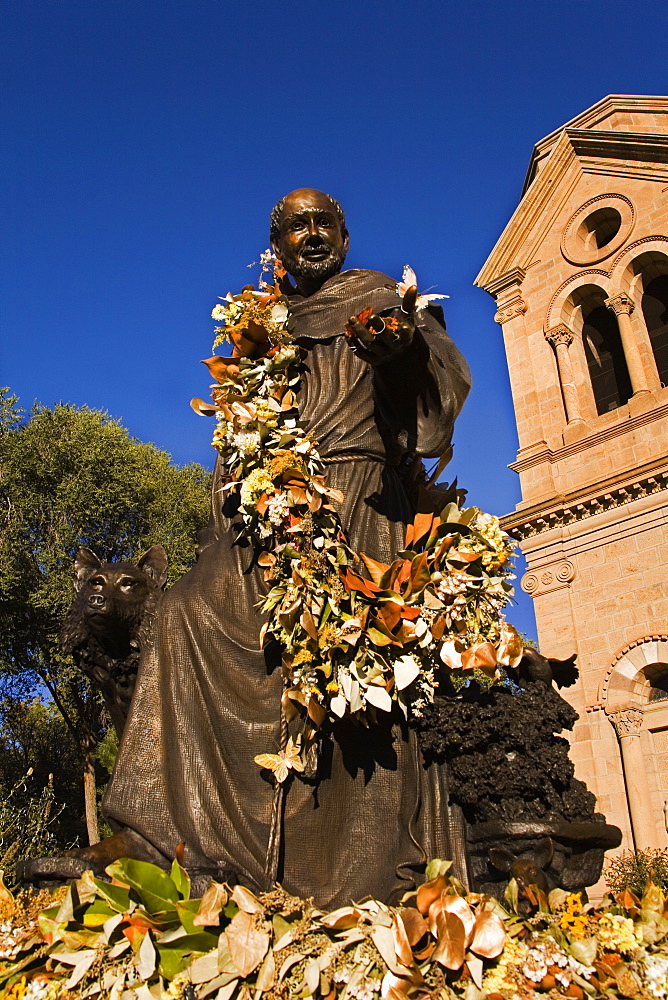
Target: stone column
x=622, y=306
x=628, y=724
x=561, y=339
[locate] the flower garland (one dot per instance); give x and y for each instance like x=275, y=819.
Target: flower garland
x=352, y=644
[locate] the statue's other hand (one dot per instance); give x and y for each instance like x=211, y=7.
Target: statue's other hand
x=378, y=337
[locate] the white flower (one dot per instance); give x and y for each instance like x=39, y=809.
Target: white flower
x=247, y=442
x=656, y=975
x=278, y=509
x=219, y=312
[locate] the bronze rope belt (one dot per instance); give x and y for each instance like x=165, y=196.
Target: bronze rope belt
x=352, y=457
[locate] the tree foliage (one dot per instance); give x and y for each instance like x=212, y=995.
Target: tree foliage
x=72, y=477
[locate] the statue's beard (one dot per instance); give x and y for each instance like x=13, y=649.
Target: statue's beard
x=300, y=267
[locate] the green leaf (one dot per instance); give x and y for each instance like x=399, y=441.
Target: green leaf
x=181, y=879
x=584, y=951
x=155, y=888
x=436, y=867
x=175, y=956
x=116, y=895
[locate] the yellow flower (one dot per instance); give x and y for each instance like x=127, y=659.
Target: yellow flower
x=617, y=934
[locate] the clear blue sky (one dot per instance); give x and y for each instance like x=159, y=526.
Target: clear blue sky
x=145, y=141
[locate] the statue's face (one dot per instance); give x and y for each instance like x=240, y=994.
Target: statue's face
x=311, y=242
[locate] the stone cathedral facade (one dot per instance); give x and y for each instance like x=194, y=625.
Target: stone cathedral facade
x=580, y=279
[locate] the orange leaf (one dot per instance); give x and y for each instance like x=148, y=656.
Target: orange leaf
x=483, y=656
x=316, y=712
x=459, y=906
x=219, y=367
x=375, y=568
x=422, y=526
x=451, y=948
x=414, y=924
x=203, y=409
x=352, y=581
x=429, y=892
x=489, y=936
x=402, y=945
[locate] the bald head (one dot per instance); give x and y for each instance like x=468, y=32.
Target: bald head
x=309, y=235
x=279, y=208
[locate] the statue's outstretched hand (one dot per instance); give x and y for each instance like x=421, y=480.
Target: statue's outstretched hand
x=378, y=337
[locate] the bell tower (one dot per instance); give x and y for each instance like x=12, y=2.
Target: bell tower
x=580, y=278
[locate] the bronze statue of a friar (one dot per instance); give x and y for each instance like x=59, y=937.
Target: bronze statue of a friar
x=208, y=700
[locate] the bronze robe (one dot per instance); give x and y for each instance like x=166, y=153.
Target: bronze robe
x=207, y=701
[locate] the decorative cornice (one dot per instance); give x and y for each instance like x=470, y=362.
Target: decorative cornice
x=559, y=334
x=592, y=440
x=627, y=723
x=563, y=510
x=593, y=117
x=620, y=304
x=548, y=578
x=511, y=279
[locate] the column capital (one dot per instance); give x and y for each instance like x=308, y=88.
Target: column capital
x=559, y=334
x=628, y=722
x=621, y=304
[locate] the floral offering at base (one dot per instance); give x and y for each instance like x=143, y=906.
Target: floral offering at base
x=141, y=937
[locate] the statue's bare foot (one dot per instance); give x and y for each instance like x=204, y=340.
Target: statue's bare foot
x=125, y=844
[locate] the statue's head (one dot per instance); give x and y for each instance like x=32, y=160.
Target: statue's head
x=308, y=232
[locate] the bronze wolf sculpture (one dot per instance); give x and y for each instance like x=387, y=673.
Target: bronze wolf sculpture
x=110, y=620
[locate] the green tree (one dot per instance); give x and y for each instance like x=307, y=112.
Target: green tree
x=72, y=477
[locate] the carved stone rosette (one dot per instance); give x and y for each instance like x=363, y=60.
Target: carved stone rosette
x=548, y=578
x=510, y=309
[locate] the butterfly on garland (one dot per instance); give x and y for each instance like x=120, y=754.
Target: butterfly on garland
x=284, y=761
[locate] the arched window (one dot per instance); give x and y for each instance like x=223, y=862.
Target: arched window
x=655, y=311
x=605, y=357
x=657, y=675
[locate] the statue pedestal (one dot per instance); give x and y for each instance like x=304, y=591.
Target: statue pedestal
x=551, y=853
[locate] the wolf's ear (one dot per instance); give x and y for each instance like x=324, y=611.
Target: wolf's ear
x=85, y=564
x=501, y=858
x=154, y=564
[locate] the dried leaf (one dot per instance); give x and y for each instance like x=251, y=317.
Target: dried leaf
x=402, y=945
x=459, y=906
x=378, y=697
x=414, y=924
x=510, y=646
x=267, y=974
x=489, y=936
x=213, y=900
x=247, y=943
x=312, y=976
x=375, y=569
x=428, y=892
x=481, y=657
x=288, y=963
x=451, y=948
x=203, y=409
x=146, y=958
x=204, y=968
x=340, y=919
